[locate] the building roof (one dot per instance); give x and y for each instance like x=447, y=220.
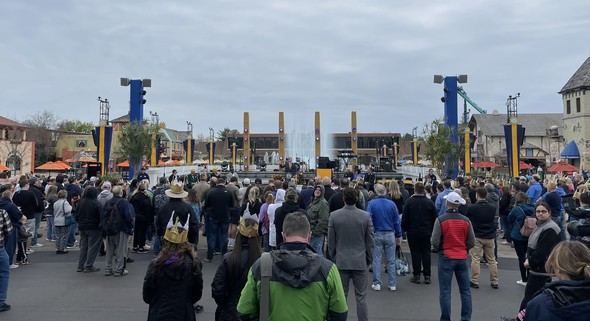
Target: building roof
x=5, y=122
x=174, y=135
x=534, y=124
x=580, y=79
x=122, y=119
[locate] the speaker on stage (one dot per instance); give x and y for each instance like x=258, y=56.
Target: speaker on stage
x=93, y=169
x=323, y=162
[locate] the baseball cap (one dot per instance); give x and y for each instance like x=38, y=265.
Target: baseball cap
x=33, y=180
x=454, y=198
x=246, y=181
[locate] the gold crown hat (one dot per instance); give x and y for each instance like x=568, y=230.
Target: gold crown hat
x=248, y=224
x=176, y=190
x=175, y=232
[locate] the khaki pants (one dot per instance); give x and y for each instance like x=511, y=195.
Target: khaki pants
x=487, y=245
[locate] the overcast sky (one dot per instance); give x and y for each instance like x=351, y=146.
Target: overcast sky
x=210, y=61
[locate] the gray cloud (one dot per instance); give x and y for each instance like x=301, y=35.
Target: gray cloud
x=211, y=61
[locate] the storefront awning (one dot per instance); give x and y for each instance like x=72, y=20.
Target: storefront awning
x=570, y=151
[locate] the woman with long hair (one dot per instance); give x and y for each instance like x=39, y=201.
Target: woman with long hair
x=396, y=195
x=540, y=244
x=263, y=219
x=144, y=215
x=232, y=273
x=51, y=198
x=504, y=210
x=515, y=220
x=89, y=213
x=61, y=208
x=173, y=281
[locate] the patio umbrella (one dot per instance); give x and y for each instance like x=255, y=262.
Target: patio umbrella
x=161, y=163
x=484, y=164
x=62, y=164
x=174, y=163
x=562, y=167
x=4, y=168
x=50, y=166
x=86, y=159
x=524, y=165
x=126, y=164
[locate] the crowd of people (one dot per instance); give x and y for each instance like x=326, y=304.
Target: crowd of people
x=320, y=237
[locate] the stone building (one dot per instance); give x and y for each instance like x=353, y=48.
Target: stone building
x=16, y=152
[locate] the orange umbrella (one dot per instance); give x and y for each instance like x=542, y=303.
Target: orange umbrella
x=161, y=163
x=63, y=165
x=126, y=164
x=562, y=167
x=50, y=166
x=86, y=159
x=4, y=168
x=174, y=163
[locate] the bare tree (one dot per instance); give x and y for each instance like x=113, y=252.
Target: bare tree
x=41, y=126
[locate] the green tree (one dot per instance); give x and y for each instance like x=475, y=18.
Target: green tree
x=75, y=126
x=135, y=143
x=441, y=149
x=226, y=132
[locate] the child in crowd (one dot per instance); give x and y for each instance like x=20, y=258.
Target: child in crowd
x=22, y=238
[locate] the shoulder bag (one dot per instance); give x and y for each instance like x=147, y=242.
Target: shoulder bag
x=529, y=224
x=68, y=217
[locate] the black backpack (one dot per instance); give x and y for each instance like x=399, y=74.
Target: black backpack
x=112, y=221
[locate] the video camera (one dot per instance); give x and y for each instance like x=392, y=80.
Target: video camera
x=579, y=226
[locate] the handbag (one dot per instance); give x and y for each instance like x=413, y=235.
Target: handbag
x=529, y=224
x=401, y=263
x=68, y=217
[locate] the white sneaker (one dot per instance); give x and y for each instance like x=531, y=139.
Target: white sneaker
x=376, y=287
x=30, y=251
x=521, y=282
x=146, y=247
x=392, y=288
x=37, y=245
x=14, y=266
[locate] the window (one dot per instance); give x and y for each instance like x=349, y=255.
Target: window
x=578, y=105
x=81, y=143
x=528, y=152
x=568, y=107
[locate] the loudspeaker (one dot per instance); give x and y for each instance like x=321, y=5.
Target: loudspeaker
x=323, y=162
x=93, y=169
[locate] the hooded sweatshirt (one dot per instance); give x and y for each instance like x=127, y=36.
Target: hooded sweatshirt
x=561, y=300
x=280, y=198
x=104, y=197
x=318, y=213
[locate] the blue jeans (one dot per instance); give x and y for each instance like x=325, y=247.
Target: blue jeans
x=317, y=243
x=559, y=221
x=446, y=268
x=50, y=228
x=37, y=224
x=4, y=275
x=217, y=233
x=504, y=222
x=10, y=244
x=157, y=246
x=384, y=242
x=72, y=234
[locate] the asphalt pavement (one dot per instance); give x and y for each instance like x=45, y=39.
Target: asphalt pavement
x=50, y=289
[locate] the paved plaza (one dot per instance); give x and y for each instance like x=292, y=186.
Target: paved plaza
x=50, y=289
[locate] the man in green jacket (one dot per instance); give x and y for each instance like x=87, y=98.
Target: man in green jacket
x=316, y=294
x=318, y=212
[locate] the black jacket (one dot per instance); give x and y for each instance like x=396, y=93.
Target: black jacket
x=482, y=214
x=217, y=204
x=142, y=205
x=419, y=216
x=567, y=300
x=89, y=214
x=505, y=202
x=280, y=214
x=182, y=210
x=27, y=201
x=172, y=291
x=226, y=289
x=336, y=202
x=13, y=212
x=40, y=195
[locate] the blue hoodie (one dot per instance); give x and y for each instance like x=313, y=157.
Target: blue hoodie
x=516, y=219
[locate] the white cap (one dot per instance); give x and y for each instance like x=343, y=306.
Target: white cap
x=454, y=198
x=246, y=181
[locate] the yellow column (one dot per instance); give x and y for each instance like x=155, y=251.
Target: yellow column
x=318, y=147
x=154, y=149
x=281, y=138
x=354, y=137
x=467, y=161
x=246, y=141
x=415, y=152
x=395, y=155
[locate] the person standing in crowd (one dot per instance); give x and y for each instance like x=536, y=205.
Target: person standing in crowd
x=5, y=231
x=289, y=206
x=144, y=216
x=328, y=191
x=568, y=298
x=370, y=179
x=505, y=203
x=541, y=242
x=116, y=244
x=272, y=230
x=351, y=243
x=10, y=241
x=264, y=220
x=388, y=233
x=318, y=213
x=516, y=219
x=60, y=209
x=37, y=189
x=232, y=273
x=74, y=192
x=440, y=197
x=217, y=208
x=535, y=189
x=143, y=175
x=28, y=203
x=89, y=215
x=307, y=193
x=302, y=284
x=482, y=216
x=173, y=281
x=554, y=200
x=453, y=237
x=418, y=221
x=51, y=198
x=173, y=177
x=234, y=212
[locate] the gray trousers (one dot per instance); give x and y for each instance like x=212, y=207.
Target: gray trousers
x=116, y=246
x=90, y=241
x=360, y=281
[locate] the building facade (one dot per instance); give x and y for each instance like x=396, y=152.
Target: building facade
x=16, y=152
